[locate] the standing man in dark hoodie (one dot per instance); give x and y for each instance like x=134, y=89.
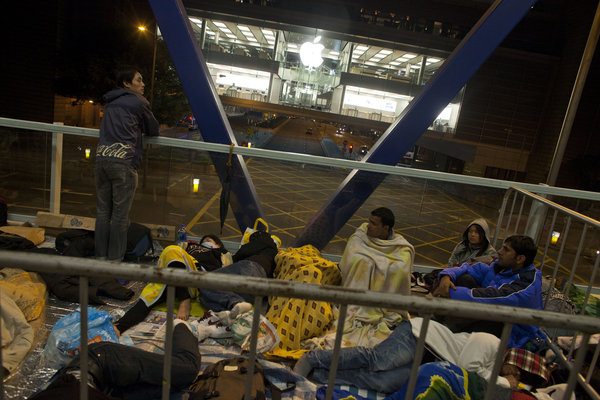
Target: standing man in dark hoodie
x=127, y=116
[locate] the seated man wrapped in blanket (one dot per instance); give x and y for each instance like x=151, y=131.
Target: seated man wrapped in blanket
x=375, y=259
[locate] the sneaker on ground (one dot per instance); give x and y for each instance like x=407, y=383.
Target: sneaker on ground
x=228, y=317
x=216, y=330
x=209, y=318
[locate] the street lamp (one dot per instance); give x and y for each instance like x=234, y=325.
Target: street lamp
x=142, y=28
x=153, y=63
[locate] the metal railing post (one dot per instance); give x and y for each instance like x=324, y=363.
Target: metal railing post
x=548, y=238
x=579, y=359
x=593, y=364
x=166, y=387
x=510, y=215
x=560, y=252
x=414, y=370
x=501, y=217
x=56, y=170
x=518, y=221
x=258, y=305
x=535, y=222
x=575, y=261
x=83, y=336
x=506, y=329
x=589, y=288
x=339, y=334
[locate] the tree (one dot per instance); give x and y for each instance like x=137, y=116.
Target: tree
x=96, y=37
x=169, y=101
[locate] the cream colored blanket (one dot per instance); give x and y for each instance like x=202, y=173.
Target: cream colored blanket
x=378, y=265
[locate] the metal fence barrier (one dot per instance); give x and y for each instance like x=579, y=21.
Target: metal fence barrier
x=532, y=206
x=547, y=222
x=550, y=223
x=259, y=287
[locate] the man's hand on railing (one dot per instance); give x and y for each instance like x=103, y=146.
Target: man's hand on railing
x=443, y=289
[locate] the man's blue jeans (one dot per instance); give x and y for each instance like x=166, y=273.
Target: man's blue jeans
x=115, y=187
x=383, y=368
x=220, y=301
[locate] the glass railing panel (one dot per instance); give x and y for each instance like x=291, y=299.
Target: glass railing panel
x=431, y=214
x=291, y=194
x=25, y=165
x=78, y=187
x=174, y=185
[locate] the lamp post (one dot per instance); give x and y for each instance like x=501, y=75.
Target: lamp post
x=153, y=63
x=142, y=28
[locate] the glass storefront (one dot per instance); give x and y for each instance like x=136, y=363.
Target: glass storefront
x=309, y=68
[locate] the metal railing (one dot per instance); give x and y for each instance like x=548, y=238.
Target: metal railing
x=260, y=287
x=312, y=160
x=343, y=297
x=553, y=224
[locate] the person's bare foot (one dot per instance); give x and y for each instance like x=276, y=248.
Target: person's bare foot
x=184, y=310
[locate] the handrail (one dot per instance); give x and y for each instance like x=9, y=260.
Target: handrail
x=316, y=160
x=276, y=287
x=333, y=294
x=568, y=211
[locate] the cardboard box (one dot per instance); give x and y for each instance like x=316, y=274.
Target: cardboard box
x=53, y=220
x=66, y=221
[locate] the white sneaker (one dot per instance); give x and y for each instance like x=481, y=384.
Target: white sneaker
x=240, y=308
x=228, y=317
x=209, y=318
x=215, y=330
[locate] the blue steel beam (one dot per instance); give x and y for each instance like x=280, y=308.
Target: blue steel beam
x=469, y=55
x=206, y=106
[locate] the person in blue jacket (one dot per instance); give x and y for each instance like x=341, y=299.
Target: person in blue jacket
x=126, y=118
x=511, y=280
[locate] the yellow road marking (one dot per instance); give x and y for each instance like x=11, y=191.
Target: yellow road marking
x=65, y=191
x=447, y=239
x=200, y=213
x=177, y=181
x=205, y=208
x=566, y=270
x=430, y=259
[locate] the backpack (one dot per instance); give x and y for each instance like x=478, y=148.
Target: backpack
x=226, y=380
x=139, y=241
x=75, y=243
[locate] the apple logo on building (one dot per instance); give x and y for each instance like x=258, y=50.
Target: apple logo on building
x=310, y=53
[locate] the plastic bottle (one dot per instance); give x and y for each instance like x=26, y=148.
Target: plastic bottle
x=181, y=234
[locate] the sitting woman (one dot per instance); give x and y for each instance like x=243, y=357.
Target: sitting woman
x=475, y=246
x=208, y=255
